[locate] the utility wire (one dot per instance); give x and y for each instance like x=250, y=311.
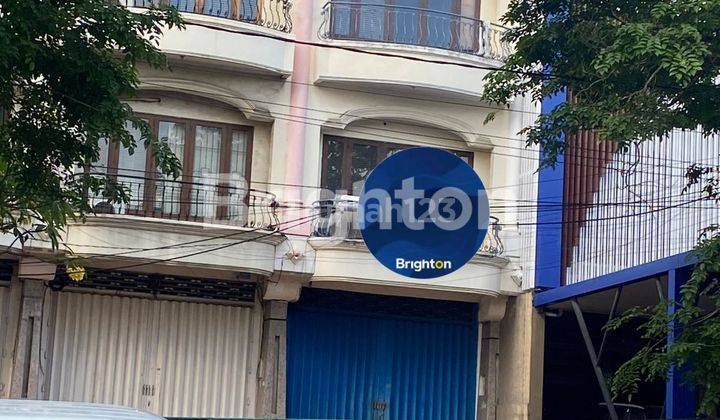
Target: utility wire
x=376, y=53
x=322, y=123
x=535, y=202
x=197, y=241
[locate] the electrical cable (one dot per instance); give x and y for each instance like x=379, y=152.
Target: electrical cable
x=322, y=123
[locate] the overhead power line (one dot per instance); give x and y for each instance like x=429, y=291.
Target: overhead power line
x=320, y=122
x=536, y=204
x=307, y=218
x=375, y=53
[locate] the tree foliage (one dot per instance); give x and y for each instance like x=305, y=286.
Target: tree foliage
x=636, y=70
x=65, y=66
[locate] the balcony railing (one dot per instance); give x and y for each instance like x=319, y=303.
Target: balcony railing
x=272, y=14
x=413, y=26
x=338, y=218
x=188, y=201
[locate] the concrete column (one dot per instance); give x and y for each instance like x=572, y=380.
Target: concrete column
x=277, y=291
x=271, y=376
x=489, y=356
x=490, y=311
x=299, y=91
x=30, y=361
x=522, y=343
x=9, y=320
x=26, y=366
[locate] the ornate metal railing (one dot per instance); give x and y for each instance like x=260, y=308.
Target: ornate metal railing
x=273, y=14
x=218, y=203
x=338, y=218
x=413, y=26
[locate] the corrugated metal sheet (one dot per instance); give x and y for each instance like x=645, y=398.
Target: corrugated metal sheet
x=171, y=358
x=639, y=212
x=206, y=360
x=368, y=364
x=527, y=193
x=99, y=349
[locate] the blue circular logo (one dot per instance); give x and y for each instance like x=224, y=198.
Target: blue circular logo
x=423, y=212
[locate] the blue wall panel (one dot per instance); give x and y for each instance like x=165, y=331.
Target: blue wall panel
x=548, y=254
x=355, y=362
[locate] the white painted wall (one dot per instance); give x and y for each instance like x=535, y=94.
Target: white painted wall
x=226, y=77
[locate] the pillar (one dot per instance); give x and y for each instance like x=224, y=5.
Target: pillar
x=489, y=357
x=278, y=291
x=522, y=344
x=491, y=311
x=30, y=355
x=9, y=320
x=297, y=127
x=271, y=389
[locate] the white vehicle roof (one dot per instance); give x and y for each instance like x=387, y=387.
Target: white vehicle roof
x=47, y=410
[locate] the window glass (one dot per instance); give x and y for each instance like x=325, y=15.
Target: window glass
x=334, y=150
x=238, y=154
x=206, y=171
x=435, y=23
x=405, y=17
x=248, y=9
x=465, y=158
x=238, y=183
x=364, y=159
x=441, y=23
x=392, y=150
x=342, y=16
x=217, y=8
x=167, y=191
x=131, y=169
x=100, y=165
x=371, y=19
x=183, y=5
x=132, y=166
x=468, y=28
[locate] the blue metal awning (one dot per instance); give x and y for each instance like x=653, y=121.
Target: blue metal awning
x=613, y=280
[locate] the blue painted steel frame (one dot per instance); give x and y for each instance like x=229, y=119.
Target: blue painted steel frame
x=612, y=280
x=548, y=245
x=679, y=396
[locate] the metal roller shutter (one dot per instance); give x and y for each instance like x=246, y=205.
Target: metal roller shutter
x=370, y=357
x=176, y=359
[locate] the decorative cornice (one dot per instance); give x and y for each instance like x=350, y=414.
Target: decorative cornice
x=458, y=127
x=206, y=90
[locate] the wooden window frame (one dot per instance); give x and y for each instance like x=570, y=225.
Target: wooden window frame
x=188, y=161
x=382, y=150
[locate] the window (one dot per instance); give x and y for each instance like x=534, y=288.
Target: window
x=215, y=173
x=347, y=162
x=447, y=24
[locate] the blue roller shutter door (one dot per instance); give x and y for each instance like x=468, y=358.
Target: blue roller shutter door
x=357, y=356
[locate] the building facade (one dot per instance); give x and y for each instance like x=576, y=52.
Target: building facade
x=243, y=289
x=615, y=231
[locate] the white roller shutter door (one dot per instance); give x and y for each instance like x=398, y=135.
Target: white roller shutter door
x=176, y=359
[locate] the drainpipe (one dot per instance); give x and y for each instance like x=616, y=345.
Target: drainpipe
x=295, y=157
